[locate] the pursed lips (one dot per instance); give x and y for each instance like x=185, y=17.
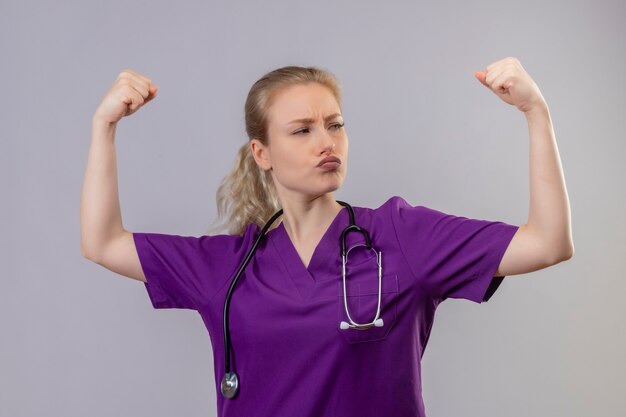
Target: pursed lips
x=329, y=159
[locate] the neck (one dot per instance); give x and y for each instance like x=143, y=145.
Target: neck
x=306, y=219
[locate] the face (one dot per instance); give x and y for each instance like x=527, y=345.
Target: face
x=297, y=146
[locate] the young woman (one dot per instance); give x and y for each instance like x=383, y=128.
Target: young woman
x=315, y=307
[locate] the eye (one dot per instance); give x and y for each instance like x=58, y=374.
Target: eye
x=336, y=126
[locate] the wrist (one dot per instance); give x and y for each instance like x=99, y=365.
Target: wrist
x=538, y=111
x=100, y=123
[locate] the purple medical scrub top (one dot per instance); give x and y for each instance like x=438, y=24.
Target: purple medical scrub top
x=287, y=348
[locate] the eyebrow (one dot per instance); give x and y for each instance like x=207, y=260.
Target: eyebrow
x=309, y=120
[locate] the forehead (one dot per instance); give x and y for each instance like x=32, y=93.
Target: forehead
x=301, y=101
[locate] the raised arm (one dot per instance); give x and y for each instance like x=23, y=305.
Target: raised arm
x=103, y=238
x=546, y=239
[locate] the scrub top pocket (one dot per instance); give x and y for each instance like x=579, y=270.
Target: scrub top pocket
x=362, y=299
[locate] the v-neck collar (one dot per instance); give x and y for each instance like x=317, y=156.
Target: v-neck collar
x=325, y=263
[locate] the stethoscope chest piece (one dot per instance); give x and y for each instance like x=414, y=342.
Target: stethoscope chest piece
x=230, y=384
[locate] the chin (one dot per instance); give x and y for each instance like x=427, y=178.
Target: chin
x=327, y=184
x=319, y=191
x=333, y=186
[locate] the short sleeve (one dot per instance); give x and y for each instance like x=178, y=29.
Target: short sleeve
x=185, y=272
x=453, y=256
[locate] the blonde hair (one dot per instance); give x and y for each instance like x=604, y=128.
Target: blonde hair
x=247, y=194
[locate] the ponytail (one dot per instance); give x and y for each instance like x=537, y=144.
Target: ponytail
x=247, y=193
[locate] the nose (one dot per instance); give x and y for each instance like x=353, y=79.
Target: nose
x=329, y=148
x=328, y=143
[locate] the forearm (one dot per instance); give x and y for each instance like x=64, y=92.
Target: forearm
x=100, y=215
x=549, y=213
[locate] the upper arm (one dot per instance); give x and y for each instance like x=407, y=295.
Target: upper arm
x=120, y=255
x=526, y=253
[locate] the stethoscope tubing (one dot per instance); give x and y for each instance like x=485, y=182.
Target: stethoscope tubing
x=234, y=282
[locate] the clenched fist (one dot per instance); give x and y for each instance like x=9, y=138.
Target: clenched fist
x=510, y=81
x=129, y=92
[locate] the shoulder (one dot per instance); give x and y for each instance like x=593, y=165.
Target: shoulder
x=405, y=217
x=220, y=242
x=390, y=203
x=394, y=212
x=251, y=231
x=394, y=206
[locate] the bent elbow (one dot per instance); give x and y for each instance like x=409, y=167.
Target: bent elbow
x=87, y=254
x=570, y=253
x=564, y=255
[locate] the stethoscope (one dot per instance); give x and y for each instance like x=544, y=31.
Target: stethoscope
x=230, y=382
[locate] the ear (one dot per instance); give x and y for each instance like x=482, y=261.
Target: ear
x=260, y=154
